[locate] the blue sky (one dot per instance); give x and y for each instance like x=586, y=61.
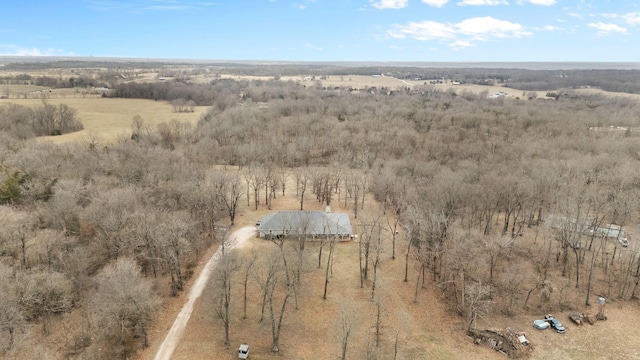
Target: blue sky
x=325, y=30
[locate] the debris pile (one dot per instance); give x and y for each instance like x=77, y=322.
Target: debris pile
x=576, y=317
x=580, y=318
x=506, y=342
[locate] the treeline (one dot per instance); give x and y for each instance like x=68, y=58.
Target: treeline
x=164, y=91
x=27, y=66
x=609, y=80
x=81, y=81
x=219, y=93
x=23, y=122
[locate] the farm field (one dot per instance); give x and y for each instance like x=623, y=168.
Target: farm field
x=362, y=82
x=110, y=118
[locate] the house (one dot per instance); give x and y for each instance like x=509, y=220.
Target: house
x=499, y=94
x=314, y=224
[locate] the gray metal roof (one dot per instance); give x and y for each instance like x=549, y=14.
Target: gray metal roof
x=306, y=222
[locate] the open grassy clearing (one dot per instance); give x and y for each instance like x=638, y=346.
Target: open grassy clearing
x=425, y=328
x=19, y=90
x=360, y=82
x=110, y=118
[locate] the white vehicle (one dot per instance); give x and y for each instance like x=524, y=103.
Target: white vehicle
x=623, y=241
x=243, y=351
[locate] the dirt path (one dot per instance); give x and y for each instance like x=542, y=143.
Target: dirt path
x=236, y=240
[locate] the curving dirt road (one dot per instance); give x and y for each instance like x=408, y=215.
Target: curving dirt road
x=236, y=240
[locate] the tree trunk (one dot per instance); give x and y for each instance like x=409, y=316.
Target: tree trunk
x=406, y=263
x=378, y=324
x=227, y=300
x=576, y=253
x=326, y=275
x=360, y=263
x=276, y=327
x=420, y=271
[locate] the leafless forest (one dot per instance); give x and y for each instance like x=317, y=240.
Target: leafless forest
x=96, y=235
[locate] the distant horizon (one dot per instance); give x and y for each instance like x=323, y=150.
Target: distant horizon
x=525, y=65
x=465, y=31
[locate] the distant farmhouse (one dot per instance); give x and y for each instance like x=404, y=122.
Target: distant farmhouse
x=314, y=224
x=499, y=94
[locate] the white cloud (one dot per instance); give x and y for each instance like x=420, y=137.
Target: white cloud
x=549, y=28
x=462, y=34
x=14, y=50
x=303, y=5
x=575, y=15
x=632, y=19
x=539, y=2
x=552, y=28
x=311, y=46
x=167, y=8
x=605, y=29
x=424, y=30
x=482, y=28
x=483, y=2
x=147, y=5
x=460, y=44
x=435, y=3
x=389, y=4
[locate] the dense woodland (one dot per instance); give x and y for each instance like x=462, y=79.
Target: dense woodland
x=468, y=180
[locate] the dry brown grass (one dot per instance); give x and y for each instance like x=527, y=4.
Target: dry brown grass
x=425, y=328
x=19, y=90
x=110, y=118
x=360, y=82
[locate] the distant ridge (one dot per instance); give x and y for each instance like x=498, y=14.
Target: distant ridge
x=529, y=65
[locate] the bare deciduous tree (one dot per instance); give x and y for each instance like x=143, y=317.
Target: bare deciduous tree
x=347, y=323
x=249, y=264
x=229, y=191
x=227, y=266
x=42, y=294
x=479, y=303
x=172, y=245
x=11, y=317
x=332, y=244
x=122, y=306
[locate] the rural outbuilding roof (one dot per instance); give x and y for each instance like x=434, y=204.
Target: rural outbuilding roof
x=316, y=223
